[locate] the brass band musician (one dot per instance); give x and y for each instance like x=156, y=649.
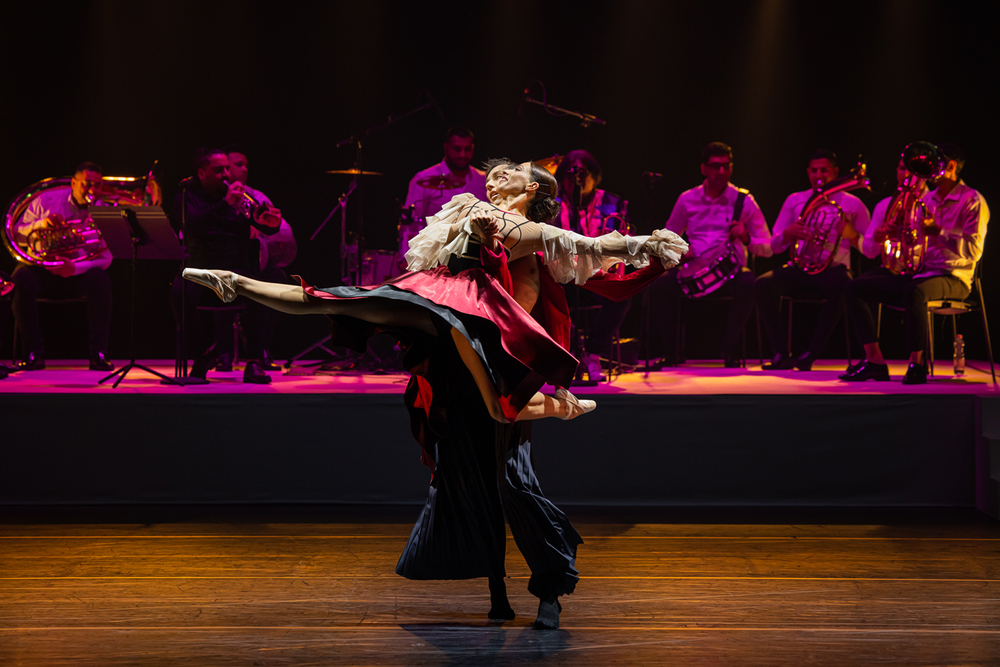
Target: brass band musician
x=434, y=187
x=707, y=215
x=56, y=209
x=586, y=209
x=955, y=232
x=790, y=280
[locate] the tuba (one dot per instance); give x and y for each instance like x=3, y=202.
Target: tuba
x=815, y=253
x=907, y=217
x=77, y=240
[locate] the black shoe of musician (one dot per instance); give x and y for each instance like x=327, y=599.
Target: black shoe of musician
x=267, y=363
x=100, y=363
x=805, y=361
x=34, y=362
x=915, y=374
x=851, y=368
x=867, y=370
x=3, y=372
x=733, y=363
x=780, y=362
x=224, y=363
x=254, y=374
x=548, y=614
x=200, y=366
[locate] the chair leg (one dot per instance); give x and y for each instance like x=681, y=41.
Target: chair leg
x=878, y=323
x=847, y=339
x=13, y=348
x=986, y=328
x=236, y=339
x=760, y=345
x=929, y=343
x=789, y=350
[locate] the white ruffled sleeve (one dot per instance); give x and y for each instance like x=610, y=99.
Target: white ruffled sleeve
x=446, y=233
x=573, y=257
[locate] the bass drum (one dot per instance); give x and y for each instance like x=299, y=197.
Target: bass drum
x=703, y=275
x=377, y=266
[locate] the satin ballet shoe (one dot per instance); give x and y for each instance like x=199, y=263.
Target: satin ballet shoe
x=576, y=406
x=222, y=283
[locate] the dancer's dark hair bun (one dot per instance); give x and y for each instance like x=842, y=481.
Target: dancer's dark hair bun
x=544, y=207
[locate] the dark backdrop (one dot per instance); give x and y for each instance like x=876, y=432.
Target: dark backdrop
x=125, y=83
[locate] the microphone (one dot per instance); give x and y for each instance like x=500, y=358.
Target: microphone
x=187, y=181
x=434, y=104
x=652, y=176
x=524, y=98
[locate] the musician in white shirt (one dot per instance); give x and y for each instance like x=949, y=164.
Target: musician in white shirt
x=954, y=247
x=87, y=277
x=434, y=187
x=705, y=215
x=790, y=280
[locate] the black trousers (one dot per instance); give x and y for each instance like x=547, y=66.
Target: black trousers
x=601, y=329
x=4, y=307
x=34, y=282
x=268, y=318
x=911, y=294
x=664, y=312
x=792, y=281
x=199, y=325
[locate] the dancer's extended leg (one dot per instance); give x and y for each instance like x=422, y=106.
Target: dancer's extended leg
x=293, y=299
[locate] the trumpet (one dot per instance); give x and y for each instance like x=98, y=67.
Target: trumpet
x=248, y=206
x=907, y=218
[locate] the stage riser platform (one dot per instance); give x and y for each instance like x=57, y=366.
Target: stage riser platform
x=855, y=450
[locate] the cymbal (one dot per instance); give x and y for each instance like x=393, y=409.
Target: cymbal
x=353, y=172
x=550, y=164
x=443, y=182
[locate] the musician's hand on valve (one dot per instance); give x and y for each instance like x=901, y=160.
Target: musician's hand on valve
x=235, y=193
x=849, y=231
x=64, y=270
x=795, y=232
x=52, y=221
x=931, y=228
x=269, y=217
x=737, y=230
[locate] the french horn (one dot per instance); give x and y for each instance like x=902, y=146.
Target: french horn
x=77, y=240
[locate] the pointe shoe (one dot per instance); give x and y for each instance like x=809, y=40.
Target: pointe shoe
x=576, y=406
x=222, y=283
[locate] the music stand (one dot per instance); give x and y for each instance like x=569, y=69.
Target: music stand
x=136, y=232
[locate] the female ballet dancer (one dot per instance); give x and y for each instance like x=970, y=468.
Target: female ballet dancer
x=477, y=361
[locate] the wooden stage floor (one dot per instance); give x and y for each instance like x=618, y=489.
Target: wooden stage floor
x=207, y=587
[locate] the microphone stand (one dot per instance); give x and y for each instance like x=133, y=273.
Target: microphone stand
x=358, y=139
x=576, y=198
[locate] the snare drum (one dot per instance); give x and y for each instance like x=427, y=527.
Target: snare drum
x=377, y=266
x=703, y=275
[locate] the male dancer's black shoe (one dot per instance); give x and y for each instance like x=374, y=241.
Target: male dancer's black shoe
x=500, y=609
x=867, y=370
x=915, y=374
x=780, y=362
x=851, y=368
x=805, y=361
x=548, y=614
x=101, y=363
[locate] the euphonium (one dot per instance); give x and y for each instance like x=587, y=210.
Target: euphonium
x=907, y=218
x=77, y=240
x=815, y=253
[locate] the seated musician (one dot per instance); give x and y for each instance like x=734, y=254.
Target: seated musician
x=955, y=245
x=588, y=210
x=434, y=187
x=707, y=215
x=790, y=280
x=277, y=251
x=87, y=277
x=217, y=230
